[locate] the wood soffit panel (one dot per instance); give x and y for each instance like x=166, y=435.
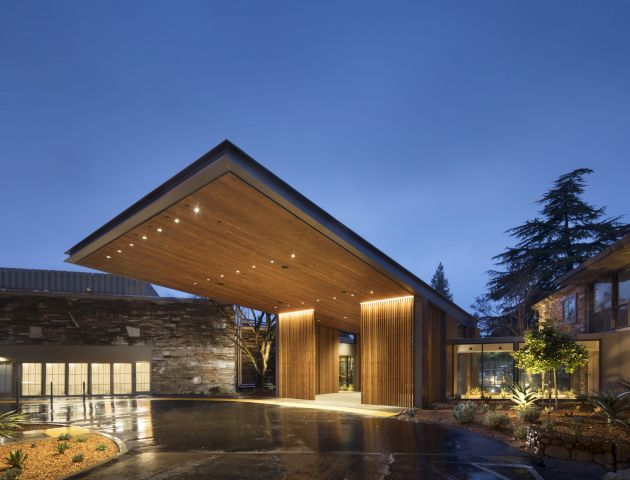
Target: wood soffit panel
x=229, y=242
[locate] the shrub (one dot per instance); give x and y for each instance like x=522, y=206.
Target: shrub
x=465, y=412
x=77, y=458
x=10, y=474
x=495, y=420
x=548, y=426
x=530, y=414
x=523, y=397
x=10, y=422
x=101, y=448
x=16, y=459
x=520, y=432
x=576, y=429
x=81, y=439
x=64, y=437
x=611, y=406
x=62, y=447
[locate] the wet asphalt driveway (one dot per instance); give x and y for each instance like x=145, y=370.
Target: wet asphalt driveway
x=183, y=439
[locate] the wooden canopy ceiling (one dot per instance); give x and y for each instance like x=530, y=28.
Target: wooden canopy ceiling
x=228, y=241
x=228, y=229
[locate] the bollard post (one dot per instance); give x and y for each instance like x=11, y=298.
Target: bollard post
x=83, y=392
x=51, y=396
x=17, y=395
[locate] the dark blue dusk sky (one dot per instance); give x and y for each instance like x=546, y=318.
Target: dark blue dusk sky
x=427, y=127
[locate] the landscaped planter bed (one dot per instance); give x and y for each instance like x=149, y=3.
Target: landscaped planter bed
x=44, y=462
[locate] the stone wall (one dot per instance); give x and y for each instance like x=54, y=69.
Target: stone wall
x=610, y=455
x=190, y=352
x=550, y=309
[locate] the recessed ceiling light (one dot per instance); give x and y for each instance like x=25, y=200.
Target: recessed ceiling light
x=253, y=266
x=345, y=316
x=317, y=300
x=194, y=283
x=352, y=294
x=108, y=256
x=176, y=220
x=222, y=275
x=131, y=244
x=144, y=237
x=371, y=291
x=275, y=307
x=119, y=251
x=271, y=261
x=159, y=230
x=207, y=279
x=334, y=298
x=238, y=271
x=302, y=303
x=293, y=255
x=196, y=210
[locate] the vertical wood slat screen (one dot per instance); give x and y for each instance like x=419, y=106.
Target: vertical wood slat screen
x=387, y=352
x=327, y=360
x=297, y=355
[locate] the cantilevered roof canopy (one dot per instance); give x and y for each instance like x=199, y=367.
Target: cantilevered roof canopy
x=228, y=229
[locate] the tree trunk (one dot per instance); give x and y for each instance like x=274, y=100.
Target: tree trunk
x=542, y=387
x=555, y=385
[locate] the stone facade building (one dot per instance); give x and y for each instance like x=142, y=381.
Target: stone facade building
x=113, y=344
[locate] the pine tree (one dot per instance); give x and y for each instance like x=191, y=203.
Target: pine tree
x=440, y=283
x=567, y=231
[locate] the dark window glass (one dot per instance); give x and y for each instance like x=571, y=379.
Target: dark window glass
x=602, y=296
x=624, y=287
x=569, y=310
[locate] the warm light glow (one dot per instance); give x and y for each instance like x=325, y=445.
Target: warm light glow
x=196, y=210
x=207, y=279
x=253, y=266
x=352, y=294
x=159, y=230
x=297, y=312
x=222, y=275
x=119, y=251
x=317, y=300
x=144, y=237
x=371, y=291
x=194, y=283
x=176, y=220
x=238, y=271
x=271, y=261
x=108, y=256
x=388, y=299
x=293, y=255
x=334, y=298
x=131, y=244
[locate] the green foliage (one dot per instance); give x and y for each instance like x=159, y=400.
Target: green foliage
x=10, y=474
x=16, y=459
x=523, y=397
x=62, y=447
x=576, y=429
x=496, y=420
x=520, y=432
x=101, y=448
x=611, y=406
x=465, y=412
x=529, y=414
x=64, y=437
x=440, y=283
x=548, y=426
x=10, y=422
x=77, y=458
x=81, y=439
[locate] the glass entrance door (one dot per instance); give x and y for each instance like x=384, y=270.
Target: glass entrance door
x=346, y=373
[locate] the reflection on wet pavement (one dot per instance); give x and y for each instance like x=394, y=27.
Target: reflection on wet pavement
x=198, y=439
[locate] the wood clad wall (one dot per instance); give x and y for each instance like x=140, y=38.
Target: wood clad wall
x=297, y=345
x=387, y=352
x=434, y=364
x=327, y=360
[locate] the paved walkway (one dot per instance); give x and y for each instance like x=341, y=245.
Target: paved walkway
x=196, y=439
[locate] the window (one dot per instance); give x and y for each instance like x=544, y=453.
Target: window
x=56, y=374
x=623, y=312
x=569, y=310
x=122, y=378
x=6, y=377
x=101, y=379
x=32, y=379
x=143, y=376
x=602, y=296
x=77, y=375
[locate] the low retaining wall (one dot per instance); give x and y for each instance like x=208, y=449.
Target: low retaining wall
x=611, y=455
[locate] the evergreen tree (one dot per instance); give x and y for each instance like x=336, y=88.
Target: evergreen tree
x=567, y=231
x=440, y=283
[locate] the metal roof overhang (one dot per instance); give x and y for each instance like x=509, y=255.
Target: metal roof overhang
x=238, y=193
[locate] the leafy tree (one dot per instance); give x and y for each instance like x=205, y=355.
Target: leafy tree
x=567, y=232
x=549, y=350
x=440, y=283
